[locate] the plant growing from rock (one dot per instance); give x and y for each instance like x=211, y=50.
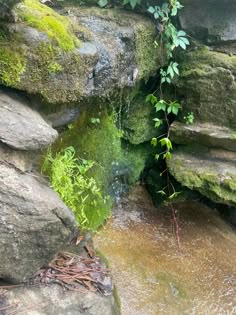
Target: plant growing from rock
x=69, y=178
x=169, y=39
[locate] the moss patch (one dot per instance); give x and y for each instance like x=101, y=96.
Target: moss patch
x=213, y=178
x=45, y=19
x=12, y=65
x=118, y=164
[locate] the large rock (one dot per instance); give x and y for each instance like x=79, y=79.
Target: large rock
x=212, y=172
x=20, y=126
x=207, y=85
x=205, y=134
x=213, y=21
x=53, y=300
x=34, y=223
x=87, y=52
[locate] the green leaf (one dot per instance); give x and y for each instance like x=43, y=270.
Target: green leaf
x=163, y=80
x=156, y=15
x=174, y=11
x=175, y=68
x=166, y=142
x=170, y=71
x=161, y=192
x=102, y=3
x=167, y=155
x=182, y=44
x=154, y=142
x=151, y=10
x=175, y=110
x=185, y=40
x=174, y=195
x=158, y=122
x=181, y=33
x=157, y=157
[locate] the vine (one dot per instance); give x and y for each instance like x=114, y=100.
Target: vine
x=169, y=39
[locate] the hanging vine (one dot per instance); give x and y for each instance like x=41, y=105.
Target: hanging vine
x=169, y=39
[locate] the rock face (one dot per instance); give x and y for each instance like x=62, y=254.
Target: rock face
x=205, y=134
x=35, y=224
x=53, y=300
x=212, y=172
x=205, y=161
x=21, y=127
x=213, y=21
x=208, y=87
x=93, y=54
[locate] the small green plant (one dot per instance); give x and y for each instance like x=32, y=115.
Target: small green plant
x=69, y=178
x=102, y=3
x=132, y=3
x=95, y=120
x=54, y=67
x=189, y=118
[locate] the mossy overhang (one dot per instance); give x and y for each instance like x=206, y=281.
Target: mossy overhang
x=55, y=56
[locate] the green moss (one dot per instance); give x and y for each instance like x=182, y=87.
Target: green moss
x=200, y=61
x=148, y=57
x=45, y=19
x=100, y=143
x=116, y=162
x=54, y=67
x=12, y=65
x=138, y=122
x=207, y=182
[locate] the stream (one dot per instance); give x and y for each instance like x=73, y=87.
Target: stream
x=152, y=277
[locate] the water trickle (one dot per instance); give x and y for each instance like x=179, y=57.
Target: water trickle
x=152, y=277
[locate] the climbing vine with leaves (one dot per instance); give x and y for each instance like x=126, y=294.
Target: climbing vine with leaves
x=169, y=39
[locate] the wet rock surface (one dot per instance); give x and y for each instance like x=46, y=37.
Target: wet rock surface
x=20, y=126
x=34, y=223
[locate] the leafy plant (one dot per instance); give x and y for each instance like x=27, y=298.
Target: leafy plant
x=189, y=118
x=95, y=120
x=102, y=3
x=132, y=3
x=69, y=178
x=169, y=38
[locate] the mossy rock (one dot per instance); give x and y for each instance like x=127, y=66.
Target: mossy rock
x=63, y=58
x=118, y=165
x=207, y=86
x=210, y=172
x=138, y=121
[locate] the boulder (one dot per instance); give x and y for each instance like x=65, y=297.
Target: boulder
x=22, y=127
x=54, y=300
x=213, y=21
x=207, y=86
x=205, y=134
x=79, y=53
x=212, y=172
x=34, y=223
